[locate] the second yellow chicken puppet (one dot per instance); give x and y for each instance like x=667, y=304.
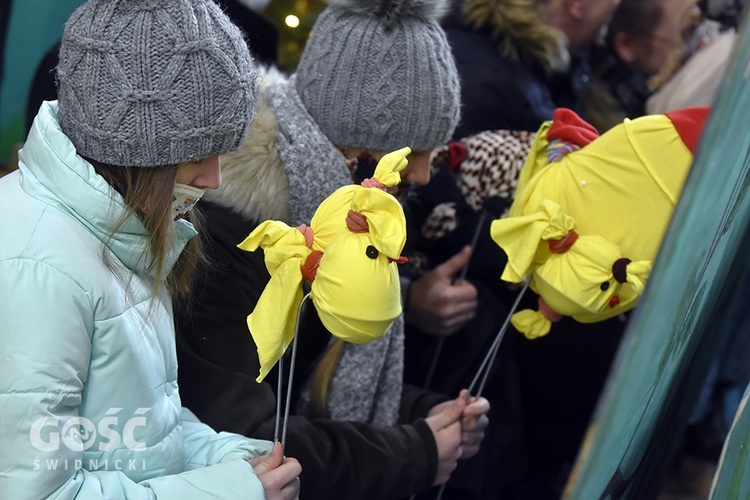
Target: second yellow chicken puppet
x=590, y=213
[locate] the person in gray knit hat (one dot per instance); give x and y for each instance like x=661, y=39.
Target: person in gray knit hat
x=148, y=83
x=374, y=76
x=375, y=81
x=96, y=243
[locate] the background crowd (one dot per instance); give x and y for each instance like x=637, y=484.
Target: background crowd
x=140, y=101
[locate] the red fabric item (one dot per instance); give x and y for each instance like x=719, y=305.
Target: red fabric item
x=357, y=222
x=689, y=123
x=373, y=183
x=310, y=266
x=570, y=127
x=563, y=244
x=456, y=154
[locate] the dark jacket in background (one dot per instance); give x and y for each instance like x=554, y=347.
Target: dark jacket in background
x=501, y=92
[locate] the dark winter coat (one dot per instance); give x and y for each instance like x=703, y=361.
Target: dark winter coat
x=511, y=91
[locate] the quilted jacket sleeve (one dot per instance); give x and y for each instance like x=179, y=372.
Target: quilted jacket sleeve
x=204, y=446
x=45, y=349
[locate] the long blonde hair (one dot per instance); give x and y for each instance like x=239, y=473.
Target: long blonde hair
x=148, y=194
x=322, y=376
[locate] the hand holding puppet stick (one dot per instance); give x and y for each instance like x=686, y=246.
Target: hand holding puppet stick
x=590, y=212
x=482, y=373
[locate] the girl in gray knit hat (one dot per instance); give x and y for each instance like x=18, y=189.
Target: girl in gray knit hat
x=96, y=242
x=374, y=76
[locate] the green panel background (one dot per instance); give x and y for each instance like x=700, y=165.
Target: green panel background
x=34, y=26
x=733, y=477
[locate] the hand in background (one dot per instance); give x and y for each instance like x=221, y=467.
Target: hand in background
x=437, y=304
x=278, y=474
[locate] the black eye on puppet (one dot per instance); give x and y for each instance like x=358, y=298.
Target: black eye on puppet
x=372, y=252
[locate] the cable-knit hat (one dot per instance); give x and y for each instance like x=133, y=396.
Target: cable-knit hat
x=380, y=75
x=154, y=82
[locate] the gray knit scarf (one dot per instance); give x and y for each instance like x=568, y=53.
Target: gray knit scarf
x=369, y=378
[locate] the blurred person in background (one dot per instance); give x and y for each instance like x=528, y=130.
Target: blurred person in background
x=645, y=43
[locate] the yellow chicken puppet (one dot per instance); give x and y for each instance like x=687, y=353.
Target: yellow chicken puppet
x=590, y=212
x=348, y=253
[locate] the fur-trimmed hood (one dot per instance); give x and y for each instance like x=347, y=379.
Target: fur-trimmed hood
x=519, y=29
x=287, y=166
x=254, y=183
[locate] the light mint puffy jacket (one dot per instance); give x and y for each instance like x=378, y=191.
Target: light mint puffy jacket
x=89, y=406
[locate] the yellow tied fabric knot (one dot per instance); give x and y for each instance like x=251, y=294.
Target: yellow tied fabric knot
x=388, y=168
x=386, y=220
x=532, y=324
x=535, y=324
x=272, y=321
x=638, y=273
x=356, y=289
x=580, y=282
x=521, y=237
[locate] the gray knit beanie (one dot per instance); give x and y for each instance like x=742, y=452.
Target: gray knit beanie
x=380, y=75
x=154, y=82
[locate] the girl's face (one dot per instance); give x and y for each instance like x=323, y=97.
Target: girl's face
x=203, y=174
x=418, y=168
x=417, y=171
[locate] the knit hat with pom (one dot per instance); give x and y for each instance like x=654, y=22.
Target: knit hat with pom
x=380, y=75
x=150, y=83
